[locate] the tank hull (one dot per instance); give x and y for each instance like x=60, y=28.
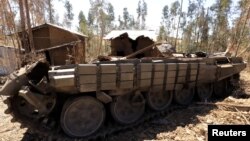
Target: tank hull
x=123, y=88
x=166, y=74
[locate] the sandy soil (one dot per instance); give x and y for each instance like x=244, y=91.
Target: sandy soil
x=9, y=131
x=189, y=124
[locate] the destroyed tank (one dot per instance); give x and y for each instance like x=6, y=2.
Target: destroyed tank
x=86, y=100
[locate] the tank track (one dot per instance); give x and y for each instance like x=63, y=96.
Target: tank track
x=44, y=133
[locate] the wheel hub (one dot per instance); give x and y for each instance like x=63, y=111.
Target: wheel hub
x=158, y=99
x=82, y=116
x=128, y=108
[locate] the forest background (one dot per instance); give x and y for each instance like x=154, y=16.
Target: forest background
x=214, y=28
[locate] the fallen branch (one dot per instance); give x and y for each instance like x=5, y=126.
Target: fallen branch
x=241, y=107
x=247, y=121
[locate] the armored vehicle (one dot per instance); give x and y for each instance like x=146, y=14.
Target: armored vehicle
x=82, y=100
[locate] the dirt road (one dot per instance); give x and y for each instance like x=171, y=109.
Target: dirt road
x=182, y=125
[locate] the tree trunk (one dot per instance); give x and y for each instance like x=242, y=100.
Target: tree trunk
x=22, y=16
x=176, y=37
x=50, y=12
x=31, y=42
x=3, y=21
x=238, y=45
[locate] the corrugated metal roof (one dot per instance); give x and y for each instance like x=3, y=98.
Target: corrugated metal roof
x=133, y=34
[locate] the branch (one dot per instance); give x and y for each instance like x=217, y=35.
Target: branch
x=142, y=50
x=242, y=107
x=247, y=121
x=238, y=45
x=245, y=50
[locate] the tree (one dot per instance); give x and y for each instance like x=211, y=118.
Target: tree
x=196, y=27
x=110, y=17
x=241, y=30
x=37, y=9
x=127, y=21
x=83, y=24
x=90, y=18
x=174, y=12
x=101, y=16
x=178, y=24
x=132, y=22
x=68, y=16
x=31, y=42
x=51, y=11
x=166, y=21
x=162, y=34
x=23, y=26
x=120, y=26
x=204, y=29
x=221, y=10
x=126, y=18
x=139, y=14
x=142, y=11
x=7, y=22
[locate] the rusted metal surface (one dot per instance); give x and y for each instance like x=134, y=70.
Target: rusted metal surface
x=60, y=46
x=125, y=42
x=118, y=87
x=132, y=34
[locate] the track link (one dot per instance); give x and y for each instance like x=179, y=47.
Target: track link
x=44, y=132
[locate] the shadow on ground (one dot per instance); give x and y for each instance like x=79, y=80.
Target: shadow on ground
x=165, y=123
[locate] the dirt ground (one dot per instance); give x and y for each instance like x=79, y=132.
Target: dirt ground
x=189, y=124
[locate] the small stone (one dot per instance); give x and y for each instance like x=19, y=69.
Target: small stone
x=209, y=121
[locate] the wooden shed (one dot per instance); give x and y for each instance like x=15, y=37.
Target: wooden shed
x=125, y=42
x=60, y=46
x=8, y=60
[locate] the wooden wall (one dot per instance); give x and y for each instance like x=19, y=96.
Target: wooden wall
x=8, y=62
x=49, y=36
x=42, y=38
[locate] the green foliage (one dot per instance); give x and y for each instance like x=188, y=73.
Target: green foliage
x=83, y=24
x=126, y=18
x=162, y=34
x=100, y=21
x=209, y=29
x=174, y=8
x=110, y=17
x=142, y=12
x=165, y=12
x=222, y=10
x=127, y=21
x=120, y=22
x=69, y=16
x=51, y=11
